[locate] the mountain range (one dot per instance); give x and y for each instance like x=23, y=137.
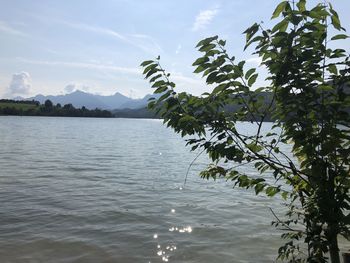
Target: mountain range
x=90, y=101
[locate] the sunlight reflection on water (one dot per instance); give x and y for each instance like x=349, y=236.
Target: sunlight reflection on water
x=82, y=190
x=168, y=250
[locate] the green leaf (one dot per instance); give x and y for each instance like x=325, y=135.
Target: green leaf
x=158, y=83
x=335, y=20
x=254, y=147
x=241, y=64
x=212, y=52
x=318, y=12
x=165, y=95
x=255, y=39
x=279, y=9
x=337, y=53
x=212, y=77
x=222, y=42
x=153, y=79
x=206, y=48
x=148, y=68
x=340, y=36
x=151, y=72
x=271, y=191
x=249, y=73
x=151, y=104
x=301, y=5
x=281, y=26
x=220, y=88
x=161, y=89
x=251, y=31
x=200, y=61
x=333, y=69
x=206, y=41
x=259, y=188
x=199, y=69
x=227, y=68
x=145, y=63
x=325, y=88
x=284, y=195
x=235, y=84
x=252, y=79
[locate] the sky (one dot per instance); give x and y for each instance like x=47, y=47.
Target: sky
x=55, y=47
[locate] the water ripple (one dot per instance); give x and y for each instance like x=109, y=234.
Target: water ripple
x=98, y=190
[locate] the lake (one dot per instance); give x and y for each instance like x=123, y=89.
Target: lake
x=111, y=190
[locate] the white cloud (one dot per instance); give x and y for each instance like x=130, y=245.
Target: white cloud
x=99, y=30
x=20, y=84
x=76, y=86
x=146, y=43
x=6, y=28
x=179, y=77
x=141, y=41
x=93, y=66
x=254, y=60
x=70, y=88
x=194, y=85
x=204, y=18
x=177, y=51
x=85, y=88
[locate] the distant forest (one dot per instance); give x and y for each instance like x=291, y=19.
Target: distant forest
x=34, y=108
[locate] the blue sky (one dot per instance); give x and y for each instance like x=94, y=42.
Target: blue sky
x=53, y=47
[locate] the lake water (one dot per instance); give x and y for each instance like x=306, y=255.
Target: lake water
x=110, y=190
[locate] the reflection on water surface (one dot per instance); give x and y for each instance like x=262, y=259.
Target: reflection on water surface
x=111, y=190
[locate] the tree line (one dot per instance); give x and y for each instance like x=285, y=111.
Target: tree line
x=12, y=107
x=30, y=102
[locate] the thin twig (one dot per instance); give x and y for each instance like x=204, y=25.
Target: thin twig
x=189, y=167
x=283, y=223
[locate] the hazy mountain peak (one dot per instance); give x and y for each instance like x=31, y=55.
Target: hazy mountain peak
x=78, y=91
x=81, y=98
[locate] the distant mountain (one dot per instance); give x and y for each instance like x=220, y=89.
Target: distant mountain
x=141, y=113
x=137, y=103
x=90, y=101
